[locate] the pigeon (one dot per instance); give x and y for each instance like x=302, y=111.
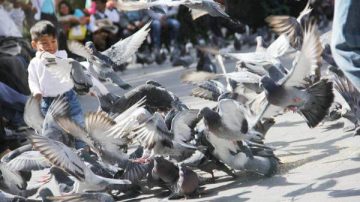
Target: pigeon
x=62, y=156
x=187, y=184
x=23, y=159
x=205, y=63
x=46, y=126
x=155, y=137
x=206, y=161
x=311, y=102
x=290, y=26
x=32, y=114
x=351, y=96
x=68, y=70
x=230, y=122
x=102, y=64
x=157, y=98
x=181, y=180
x=6, y=197
x=104, y=134
x=61, y=178
x=237, y=155
x=97, y=134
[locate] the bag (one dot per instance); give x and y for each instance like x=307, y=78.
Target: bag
x=77, y=33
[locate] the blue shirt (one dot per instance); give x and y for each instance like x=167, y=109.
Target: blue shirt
x=48, y=7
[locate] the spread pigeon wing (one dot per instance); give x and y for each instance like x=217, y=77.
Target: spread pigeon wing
x=124, y=49
x=183, y=125
x=288, y=26
x=32, y=114
x=124, y=120
x=309, y=58
x=28, y=161
x=79, y=49
x=210, y=90
x=152, y=132
x=60, y=155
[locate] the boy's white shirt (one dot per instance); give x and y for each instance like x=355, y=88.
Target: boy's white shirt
x=42, y=81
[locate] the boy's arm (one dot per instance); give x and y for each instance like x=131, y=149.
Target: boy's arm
x=33, y=81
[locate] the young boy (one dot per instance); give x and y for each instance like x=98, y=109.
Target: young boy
x=43, y=84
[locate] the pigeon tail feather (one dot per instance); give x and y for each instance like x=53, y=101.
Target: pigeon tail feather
x=320, y=99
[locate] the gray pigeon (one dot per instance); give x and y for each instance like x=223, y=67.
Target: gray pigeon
x=67, y=69
x=230, y=122
x=157, y=98
x=291, y=93
x=239, y=155
x=62, y=156
x=182, y=181
x=352, y=97
x=102, y=64
x=25, y=160
x=6, y=197
x=155, y=136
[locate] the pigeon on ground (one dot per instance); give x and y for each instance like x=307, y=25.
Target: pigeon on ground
x=351, y=96
x=240, y=156
x=182, y=181
x=230, y=122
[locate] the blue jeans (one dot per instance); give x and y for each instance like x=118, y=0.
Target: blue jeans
x=75, y=111
x=12, y=103
x=346, y=39
x=173, y=26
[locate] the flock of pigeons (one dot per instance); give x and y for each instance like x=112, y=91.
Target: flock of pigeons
x=148, y=137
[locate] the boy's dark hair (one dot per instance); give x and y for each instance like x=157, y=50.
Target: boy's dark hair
x=42, y=28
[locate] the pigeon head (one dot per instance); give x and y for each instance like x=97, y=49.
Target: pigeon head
x=268, y=84
x=211, y=118
x=45, y=193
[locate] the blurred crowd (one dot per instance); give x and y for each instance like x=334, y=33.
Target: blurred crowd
x=101, y=22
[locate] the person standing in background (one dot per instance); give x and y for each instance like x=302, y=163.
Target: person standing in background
x=102, y=26
x=46, y=10
x=345, y=42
